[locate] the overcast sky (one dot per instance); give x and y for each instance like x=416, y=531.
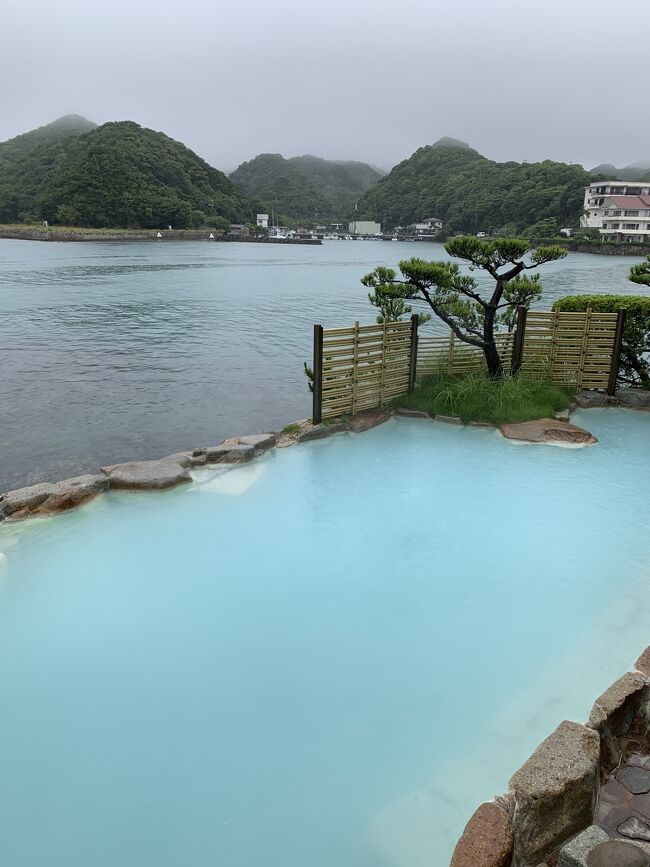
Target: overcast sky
x=357, y=79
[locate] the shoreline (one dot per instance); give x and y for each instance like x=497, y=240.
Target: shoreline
x=63, y=234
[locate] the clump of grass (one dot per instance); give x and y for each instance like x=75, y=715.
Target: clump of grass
x=292, y=428
x=477, y=397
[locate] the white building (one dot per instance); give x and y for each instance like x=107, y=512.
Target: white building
x=263, y=221
x=426, y=229
x=620, y=210
x=364, y=227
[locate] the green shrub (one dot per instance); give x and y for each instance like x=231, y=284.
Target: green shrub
x=478, y=397
x=635, y=348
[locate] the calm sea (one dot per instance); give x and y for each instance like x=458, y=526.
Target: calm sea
x=119, y=351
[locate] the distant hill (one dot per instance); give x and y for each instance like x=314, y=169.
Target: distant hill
x=471, y=193
x=118, y=174
x=306, y=187
x=639, y=171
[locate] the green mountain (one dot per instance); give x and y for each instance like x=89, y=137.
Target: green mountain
x=471, y=193
x=305, y=187
x=635, y=172
x=118, y=174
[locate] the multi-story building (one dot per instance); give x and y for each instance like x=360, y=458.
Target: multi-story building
x=620, y=210
x=426, y=229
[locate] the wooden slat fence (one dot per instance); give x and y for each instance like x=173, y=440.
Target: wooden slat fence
x=575, y=349
x=366, y=365
x=451, y=356
x=363, y=366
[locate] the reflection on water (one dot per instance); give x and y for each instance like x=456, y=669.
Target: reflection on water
x=112, y=351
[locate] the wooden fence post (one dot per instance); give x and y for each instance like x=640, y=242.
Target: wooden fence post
x=318, y=375
x=413, y=361
x=616, y=352
x=518, y=343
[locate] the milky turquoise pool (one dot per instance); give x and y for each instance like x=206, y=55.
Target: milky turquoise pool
x=326, y=658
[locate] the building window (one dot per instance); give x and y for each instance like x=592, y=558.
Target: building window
x=630, y=225
x=614, y=225
x=631, y=213
x=616, y=213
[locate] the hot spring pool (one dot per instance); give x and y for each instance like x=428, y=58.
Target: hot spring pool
x=326, y=658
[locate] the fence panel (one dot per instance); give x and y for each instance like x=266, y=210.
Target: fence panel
x=575, y=349
x=364, y=366
x=450, y=356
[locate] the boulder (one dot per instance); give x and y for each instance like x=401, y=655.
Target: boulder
x=260, y=442
x=230, y=454
x=635, y=829
x=486, y=840
x=616, y=710
x=575, y=853
x=634, y=398
x=587, y=399
x=320, y=431
x=548, y=430
x=643, y=662
x=48, y=498
x=555, y=792
x=368, y=418
x=563, y=415
x=148, y=475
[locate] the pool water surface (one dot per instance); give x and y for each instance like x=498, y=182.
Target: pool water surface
x=327, y=657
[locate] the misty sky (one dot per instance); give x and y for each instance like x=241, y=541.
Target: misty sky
x=357, y=79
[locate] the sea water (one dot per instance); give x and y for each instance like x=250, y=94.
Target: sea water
x=329, y=656
x=122, y=351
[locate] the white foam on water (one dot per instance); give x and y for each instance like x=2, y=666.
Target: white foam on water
x=232, y=482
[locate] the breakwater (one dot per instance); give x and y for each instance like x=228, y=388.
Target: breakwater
x=60, y=233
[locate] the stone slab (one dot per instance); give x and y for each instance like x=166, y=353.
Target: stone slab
x=616, y=853
x=548, y=430
x=574, y=854
x=643, y=662
x=232, y=454
x=587, y=399
x=635, y=779
x=635, y=828
x=48, y=498
x=634, y=398
x=615, y=711
x=320, y=431
x=260, y=442
x=448, y=419
x=555, y=792
x=147, y=475
x=412, y=413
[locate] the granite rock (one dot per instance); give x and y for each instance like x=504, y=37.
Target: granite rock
x=616, y=710
x=48, y=498
x=634, y=398
x=616, y=853
x=635, y=829
x=574, y=854
x=587, y=399
x=368, y=418
x=320, y=431
x=238, y=453
x=643, y=662
x=555, y=792
x=148, y=475
x=548, y=430
x=486, y=840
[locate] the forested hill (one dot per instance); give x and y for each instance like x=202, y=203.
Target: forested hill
x=471, y=193
x=635, y=172
x=118, y=174
x=306, y=187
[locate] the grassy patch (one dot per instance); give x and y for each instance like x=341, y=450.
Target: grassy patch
x=476, y=397
x=292, y=428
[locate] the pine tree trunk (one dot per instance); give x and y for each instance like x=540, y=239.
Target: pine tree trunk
x=492, y=357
